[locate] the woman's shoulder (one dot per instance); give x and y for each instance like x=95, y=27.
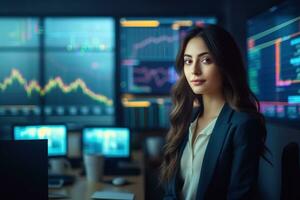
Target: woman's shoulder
x=247, y=125
x=242, y=117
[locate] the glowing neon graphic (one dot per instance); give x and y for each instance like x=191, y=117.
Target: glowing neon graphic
x=148, y=50
x=274, y=61
x=277, y=42
x=160, y=75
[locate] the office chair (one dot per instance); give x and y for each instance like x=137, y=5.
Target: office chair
x=290, y=181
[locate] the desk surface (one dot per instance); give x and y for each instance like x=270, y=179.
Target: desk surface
x=82, y=189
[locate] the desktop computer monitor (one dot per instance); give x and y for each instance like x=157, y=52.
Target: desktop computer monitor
x=55, y=134
x=274, y=62
x=148, y=49
x=112, y=142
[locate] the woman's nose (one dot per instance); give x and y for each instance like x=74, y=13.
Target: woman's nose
x=196, y=68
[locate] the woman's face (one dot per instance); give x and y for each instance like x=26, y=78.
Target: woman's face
x=200, y=69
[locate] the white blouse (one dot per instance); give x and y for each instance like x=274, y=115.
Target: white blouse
x=192, y=158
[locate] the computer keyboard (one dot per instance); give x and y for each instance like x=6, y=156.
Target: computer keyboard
x=55, y=183
x=67, y=179
x=117, y=171
x=52, y=195
x=121, y=170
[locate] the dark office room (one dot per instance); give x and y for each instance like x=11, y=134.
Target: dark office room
x=150, y=99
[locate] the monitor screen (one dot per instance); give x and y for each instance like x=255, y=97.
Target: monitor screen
x=274, y=61
x=20, y=86
x=110, y=142
x=148, y=51
x=55, y=134
x=80, y=69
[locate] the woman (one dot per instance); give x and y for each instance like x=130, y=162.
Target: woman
x=213, y=154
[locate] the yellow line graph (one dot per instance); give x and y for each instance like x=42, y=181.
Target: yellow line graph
x=52, y=83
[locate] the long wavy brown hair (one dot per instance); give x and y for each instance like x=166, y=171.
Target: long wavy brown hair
x=236, y=91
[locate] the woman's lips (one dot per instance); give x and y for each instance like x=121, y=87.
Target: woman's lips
x=198, y=82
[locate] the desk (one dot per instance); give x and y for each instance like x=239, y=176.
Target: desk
x=82, y=190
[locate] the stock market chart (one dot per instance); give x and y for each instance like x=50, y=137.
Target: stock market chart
x=80, y=67
x=58, y=67
x=19, y=67
x=148, y=51
x=274, y=61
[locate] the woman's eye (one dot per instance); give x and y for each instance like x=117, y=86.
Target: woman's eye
x=206, y=60
x=187, y=62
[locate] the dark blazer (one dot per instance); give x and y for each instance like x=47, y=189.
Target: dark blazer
x=230, y=165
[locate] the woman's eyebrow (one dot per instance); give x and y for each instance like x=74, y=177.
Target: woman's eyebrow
x=199, y=55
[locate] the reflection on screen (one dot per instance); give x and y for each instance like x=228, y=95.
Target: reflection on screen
x=55, y=134
x=111, y=142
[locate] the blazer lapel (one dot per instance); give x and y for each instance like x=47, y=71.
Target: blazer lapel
x=213, y=150
x=174, y=182
x=186, y=137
